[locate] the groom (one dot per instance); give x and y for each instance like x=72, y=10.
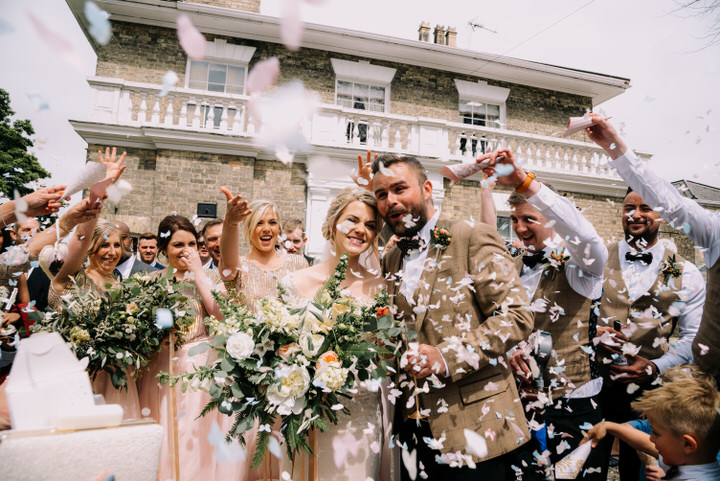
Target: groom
x=462, y=297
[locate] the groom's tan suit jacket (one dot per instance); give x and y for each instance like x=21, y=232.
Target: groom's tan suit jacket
x=469, y=299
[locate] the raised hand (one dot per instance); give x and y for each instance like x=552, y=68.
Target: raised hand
x=113, y=168
x=596, y=434
x=604, y=134
x=78, y=213
x=189, y=260
x=504, y=168
x=237, y=208
x=363, y=178
x=44, y=201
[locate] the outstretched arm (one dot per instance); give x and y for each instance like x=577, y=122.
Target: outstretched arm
x=625, y=432
x=237, y=210
x=679, y=211
x=77, y=214
x=487, y=208
x=587, y=250
x=77, y=249
x=41, y=202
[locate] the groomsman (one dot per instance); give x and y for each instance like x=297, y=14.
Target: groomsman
x=456, y=289
x=562, y=271
x=648, y=290
x=700, y=225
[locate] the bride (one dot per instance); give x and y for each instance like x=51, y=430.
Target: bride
x=352, y=449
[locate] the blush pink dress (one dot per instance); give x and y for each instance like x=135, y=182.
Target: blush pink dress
x=101, y=384
x=190, y=444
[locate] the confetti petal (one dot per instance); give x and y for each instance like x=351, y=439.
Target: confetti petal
x=191, y=40
x=100, y=28
x=291, y=27
x=475, y=444
x=168, y=81
x=263, y=75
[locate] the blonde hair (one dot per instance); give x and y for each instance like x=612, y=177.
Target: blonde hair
x=259, y=209
x=103, y=230
x=685, y=406
x=338, y=205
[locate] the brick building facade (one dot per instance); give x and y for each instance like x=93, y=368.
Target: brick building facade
x=177, y=159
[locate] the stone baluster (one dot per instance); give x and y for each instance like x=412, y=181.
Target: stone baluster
x=223, y=118
x=155, y=119
x=142, y=113
x=169, y=111
x=196, y=116
x=182, y=121
x=210, y=117
x=125, y=109
x=397, y=145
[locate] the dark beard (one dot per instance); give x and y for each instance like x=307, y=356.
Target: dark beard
x=416, y=212
x=642, y=240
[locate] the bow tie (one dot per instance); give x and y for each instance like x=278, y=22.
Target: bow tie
x=407, y=244
x=531, y=260
x=672, y=472
x=644, y=257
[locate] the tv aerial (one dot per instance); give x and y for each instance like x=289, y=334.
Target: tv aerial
x=474, y=25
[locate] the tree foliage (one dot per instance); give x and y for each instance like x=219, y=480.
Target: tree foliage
x=18, y=167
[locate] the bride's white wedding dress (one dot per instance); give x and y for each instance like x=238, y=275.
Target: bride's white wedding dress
x=352, y=449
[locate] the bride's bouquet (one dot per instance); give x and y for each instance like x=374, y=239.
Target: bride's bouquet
x=296, y=362
x=117, y=332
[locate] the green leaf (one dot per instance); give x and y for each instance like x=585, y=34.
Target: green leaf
x=384, y=322
x=199, y=349
x=227, y=364
x=261, y=445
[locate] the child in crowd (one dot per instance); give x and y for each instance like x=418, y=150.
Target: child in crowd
x=684, y=420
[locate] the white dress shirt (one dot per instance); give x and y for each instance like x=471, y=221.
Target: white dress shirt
x=588, y=253
x=702, y=226
x=639, y=279
x=414, y=262
x=126, y=267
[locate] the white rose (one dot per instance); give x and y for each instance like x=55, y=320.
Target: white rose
x=316, y=340
x=240, y=345
x=287, y=395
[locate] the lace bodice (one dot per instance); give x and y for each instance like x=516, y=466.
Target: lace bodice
x=255, y=283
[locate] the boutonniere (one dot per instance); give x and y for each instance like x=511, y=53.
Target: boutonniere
x=558, y=257
x=670, y=268
x=440, y=237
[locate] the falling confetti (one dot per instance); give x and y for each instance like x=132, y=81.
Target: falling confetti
x=57, y=43
x=291, y=27
x=38, y=101
x=168, y=81
x=475, y=444
x=116, y=191
x=263, y=75
x=100, y=28
x=191, y=40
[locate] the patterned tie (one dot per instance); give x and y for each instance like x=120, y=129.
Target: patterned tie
x=531, y=260
x=407, y=244
x=644, y=257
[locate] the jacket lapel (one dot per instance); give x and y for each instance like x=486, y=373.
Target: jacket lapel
x=427, y=280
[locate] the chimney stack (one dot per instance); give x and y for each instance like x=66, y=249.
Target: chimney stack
x=424, y=32
x=440, y=34
x=451, y=37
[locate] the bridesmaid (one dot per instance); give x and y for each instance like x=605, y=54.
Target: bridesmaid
x=256, y=274
x=187, y=453
x=99, y=241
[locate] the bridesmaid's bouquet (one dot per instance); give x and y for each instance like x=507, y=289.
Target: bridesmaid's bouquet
x=117, y=332
x=296, y=362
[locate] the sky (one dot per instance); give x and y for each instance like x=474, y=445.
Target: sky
x=671, y=110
